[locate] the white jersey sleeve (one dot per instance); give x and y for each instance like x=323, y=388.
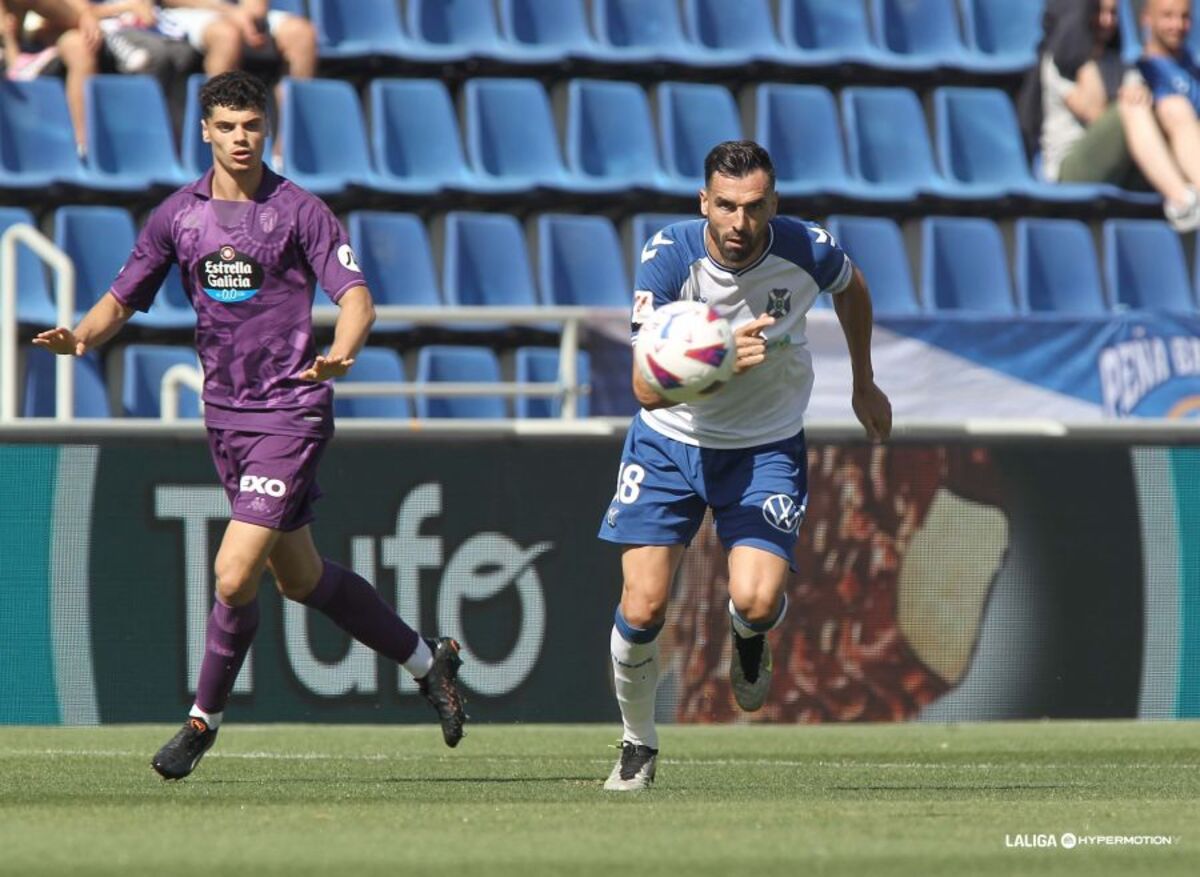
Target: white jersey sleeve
x=662, y=271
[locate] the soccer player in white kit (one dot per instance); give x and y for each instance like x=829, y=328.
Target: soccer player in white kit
x=740, y=451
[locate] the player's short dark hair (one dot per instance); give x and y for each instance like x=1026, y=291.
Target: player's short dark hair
x=235, y=90
x=737, y=158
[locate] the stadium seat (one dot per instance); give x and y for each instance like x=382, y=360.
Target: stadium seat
x=511, y=136
x=734, y=33
x=1144, y=266
x=552, y=27
x=610, y=135
x=99, y=240
x=373, y=364
x=397, y=263
x=897, y=167
x=964, y=267
x=323, y=157
x=415, y=140
x=296, y=7
x=1056, y=268
x=579, y=262
x=459, y=364
x=692, y=119
x=825, y=33
x=925, y=31
x=141, y=385
x=36, y=135
x=130, y=144
x=798, y=125
x=536, y=365
x=91, y=395
x=35, y=303
x=1003, y=34
x=979, y=148
x=644, y=226
x=171, y=308
x=485, y=262
x=468, y=29
x=643, y=31
x=1130, y=30
x=195, y=154
x=359, y=29
x=876, y=246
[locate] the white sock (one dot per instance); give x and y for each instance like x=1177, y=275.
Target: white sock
x=420, y=661
x=635, y=672
x=213, y=720
x=745, y=630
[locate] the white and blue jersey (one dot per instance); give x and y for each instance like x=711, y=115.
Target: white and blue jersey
x=740, y=452
x=766, y=403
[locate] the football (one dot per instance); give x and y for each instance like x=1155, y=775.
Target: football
x=685, y=350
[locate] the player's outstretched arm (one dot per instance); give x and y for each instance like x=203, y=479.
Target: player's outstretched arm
x=356, y=315
x=871, y=405
x=103, y=321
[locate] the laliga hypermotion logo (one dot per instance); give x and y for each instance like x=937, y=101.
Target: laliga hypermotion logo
x=782, y=512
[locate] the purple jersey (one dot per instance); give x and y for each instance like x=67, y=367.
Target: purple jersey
x=248, y=270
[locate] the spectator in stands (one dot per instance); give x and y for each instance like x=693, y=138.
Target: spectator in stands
x=223, y=29
x=1173, y=78
x=1093, y=122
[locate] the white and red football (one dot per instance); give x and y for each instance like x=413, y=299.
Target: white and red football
x=685, y=351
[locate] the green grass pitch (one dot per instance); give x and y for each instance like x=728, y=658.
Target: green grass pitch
x=519, y=800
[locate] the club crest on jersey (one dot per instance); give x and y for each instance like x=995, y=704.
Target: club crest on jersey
x=268, y=218
x=229, y=276
x=779, y=303
x=782, y=513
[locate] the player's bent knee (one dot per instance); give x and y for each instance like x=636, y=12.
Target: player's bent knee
x=296, y=589
x=759, y=607
x=643, y=610
x=235, y=584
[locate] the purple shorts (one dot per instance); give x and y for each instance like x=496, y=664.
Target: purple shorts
x=271, y=480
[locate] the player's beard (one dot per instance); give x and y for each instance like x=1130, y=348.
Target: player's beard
x=744, y=247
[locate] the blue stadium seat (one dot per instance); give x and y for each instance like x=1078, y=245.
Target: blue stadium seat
x=798, y=125
x=1056, y=268
x=416, y=143
x=964, y=267
x=1144, y=266
x=141, y=385
x=552, y=26
x=1131, y=32
x=537, y=365
x=91, y=395
x=35, y=303
x=876, y=246
x=98, y=240
x=485, y=262
x=826, y=33
x=897, y=167
x=579, y=262
x=465, y=29
x=295, y=7
x=1003, y=34
x=733, y=33
x=373, y=364
x=397, y=263
x=359, y=29
x=610, y=135
x=511, y=136
x=980, y=151
x=692, y=119
x=463, y=364
x=645, y=31
x=926, y=31
x=171, y=308
x=644, y=226
x=323, y=157
x=196, y=155
x=36, y=135
x=129, y=139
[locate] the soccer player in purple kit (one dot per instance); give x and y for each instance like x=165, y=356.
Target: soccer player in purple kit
x=250, y=244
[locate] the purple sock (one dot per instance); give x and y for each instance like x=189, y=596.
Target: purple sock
x=230, y=632
x=356, y=607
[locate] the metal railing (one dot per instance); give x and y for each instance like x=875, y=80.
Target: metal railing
x=64, y=295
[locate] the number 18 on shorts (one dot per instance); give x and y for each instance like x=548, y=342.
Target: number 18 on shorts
x=758, y=495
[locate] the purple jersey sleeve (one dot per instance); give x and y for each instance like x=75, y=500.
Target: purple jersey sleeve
x=326, y=247
x=143, y=273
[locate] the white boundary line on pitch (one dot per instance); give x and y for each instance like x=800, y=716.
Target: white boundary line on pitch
x=700, y=762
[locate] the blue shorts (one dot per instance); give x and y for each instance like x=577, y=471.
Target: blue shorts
x=758, y=495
